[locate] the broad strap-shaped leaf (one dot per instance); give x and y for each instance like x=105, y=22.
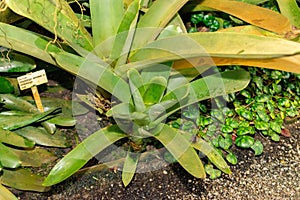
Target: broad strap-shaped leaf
x=27, y=42
x=137, y=89
x=136, y=80
x=15, y=122
x=23, y=179
x=124, y=36
x=210, y=152
x=12, y=102
x=218, y=84
x=154, y=90
x=290, y=9
x=6, y=194
x=286, y=63
x=129, y=167
x=8, y=158
x=214, y=85
x=18, y=104
x=255, y=15
x=81, y=154
x=16, y=63
x=255, y=2
x=216, y=44
x=155, y=19
x=197, y=47
x=14, y=139
x=212, y=155
x=42, y=137
x=62, y=121
x=95, y=73
x=181, y=150
x=57, y=17
x=250, y=29
x=211, y=86
x=34, y=157
x=106, y=16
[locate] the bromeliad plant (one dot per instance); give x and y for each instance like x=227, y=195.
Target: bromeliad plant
x=130, y=40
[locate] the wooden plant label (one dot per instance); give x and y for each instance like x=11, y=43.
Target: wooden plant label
x=32, y=80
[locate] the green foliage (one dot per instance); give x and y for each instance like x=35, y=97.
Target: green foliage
x=21, y=134
x=258, y=109
x=23, y=129
x=141, y=55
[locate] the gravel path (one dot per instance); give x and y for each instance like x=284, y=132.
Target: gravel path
x=273, y=175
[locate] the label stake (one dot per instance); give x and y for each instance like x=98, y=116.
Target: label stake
x=32, y=80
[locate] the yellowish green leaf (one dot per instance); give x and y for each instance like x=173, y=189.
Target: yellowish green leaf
x=252, y=14
x=23, y=179
x=6, y=194
x=290, y=9
x=129, y=167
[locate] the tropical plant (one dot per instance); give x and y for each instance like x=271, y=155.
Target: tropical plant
x=20, y=140
x=24, y=130
x=140, y=52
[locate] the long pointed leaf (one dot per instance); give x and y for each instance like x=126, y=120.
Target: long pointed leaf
x=21, y=121
x=57, y=17
x=219, y=44
x=81, y=154
x=182, y=151
x=14, y=103
x=95, y=73
x=137, y=89
x=210, y=152
x=212, y=155
x=218, y=84
x=23, y=179
x=129, y=167
x=34, y=157
x=8, y=158
x=210, y=87
x=252, y=14
x=175, y=27
x=106, y=17
x=14, y=139
x=41, y=137
x=6, y=194
x=291, y=10
x=286, y=63
x=27, y=42
x=156, y=18
x=124, y=37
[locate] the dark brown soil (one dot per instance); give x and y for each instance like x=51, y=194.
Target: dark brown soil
x=273, y=175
